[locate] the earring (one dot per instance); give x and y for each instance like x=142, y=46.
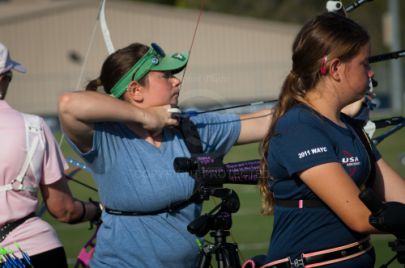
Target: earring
x=370, y=85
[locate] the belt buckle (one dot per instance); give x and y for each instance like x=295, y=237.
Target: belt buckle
x=297, y=263
x=16, y=185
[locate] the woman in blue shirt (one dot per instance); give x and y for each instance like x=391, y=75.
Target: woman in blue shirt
x=128, y=139
x=316, y=161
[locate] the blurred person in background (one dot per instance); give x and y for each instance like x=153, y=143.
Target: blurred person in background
x=31, y=161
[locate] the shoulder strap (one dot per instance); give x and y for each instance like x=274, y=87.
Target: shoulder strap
x=191, y=136
x=32, y=136
x=365, y=140
x=34, y=132
x=193, y=142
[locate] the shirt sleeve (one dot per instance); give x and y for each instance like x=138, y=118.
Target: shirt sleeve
x=301, y=147
x=94, y=152
x=218, y=132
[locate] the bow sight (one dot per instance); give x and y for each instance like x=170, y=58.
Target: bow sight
x=210, y=174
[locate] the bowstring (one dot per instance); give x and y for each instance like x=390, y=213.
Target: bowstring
x=82, y=69
x=202, y=3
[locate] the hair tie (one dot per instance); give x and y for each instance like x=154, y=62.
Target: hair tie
x=323, y=68
x=293, y=73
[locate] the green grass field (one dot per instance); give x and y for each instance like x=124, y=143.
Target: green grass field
x=250, y=230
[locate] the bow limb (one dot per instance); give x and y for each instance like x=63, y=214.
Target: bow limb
x=104, y=28
x=108, y=42
x=87, y=251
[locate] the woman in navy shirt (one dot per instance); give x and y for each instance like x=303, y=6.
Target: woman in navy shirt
x=318, y=164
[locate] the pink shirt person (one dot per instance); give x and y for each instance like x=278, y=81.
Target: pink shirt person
x=34, y=235
x=31, y=162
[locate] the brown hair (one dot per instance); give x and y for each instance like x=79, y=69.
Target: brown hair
x=116, y=65
x=326, y=36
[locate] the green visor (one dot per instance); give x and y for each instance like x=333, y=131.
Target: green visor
x=154, y=60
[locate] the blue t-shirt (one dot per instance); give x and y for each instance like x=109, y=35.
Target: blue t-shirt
x=304, y=139
x=133, y=175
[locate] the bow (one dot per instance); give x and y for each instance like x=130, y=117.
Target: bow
x=88, y=249
x=104, y=27
x=110, y=48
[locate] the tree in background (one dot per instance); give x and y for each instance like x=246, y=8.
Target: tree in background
x=370, y=15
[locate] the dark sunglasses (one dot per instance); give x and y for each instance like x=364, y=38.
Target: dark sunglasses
x=152, y=57
x=8, y=75
x=158, y=49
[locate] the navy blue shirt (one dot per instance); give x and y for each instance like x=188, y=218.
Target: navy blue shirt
x=364, y=113
x=304, y=139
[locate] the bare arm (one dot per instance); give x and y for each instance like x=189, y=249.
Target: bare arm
x=63, y=206
x=254, y=126
x=333, y=185
x=78, y=111
x=389, y=184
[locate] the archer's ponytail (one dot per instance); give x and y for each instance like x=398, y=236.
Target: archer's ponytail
x=93, y=85
x=292, y=92
x=119, y=63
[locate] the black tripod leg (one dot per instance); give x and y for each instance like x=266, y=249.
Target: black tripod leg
x=204, y=260
x=222, y=258
x=227, y=256
x=234, y=255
